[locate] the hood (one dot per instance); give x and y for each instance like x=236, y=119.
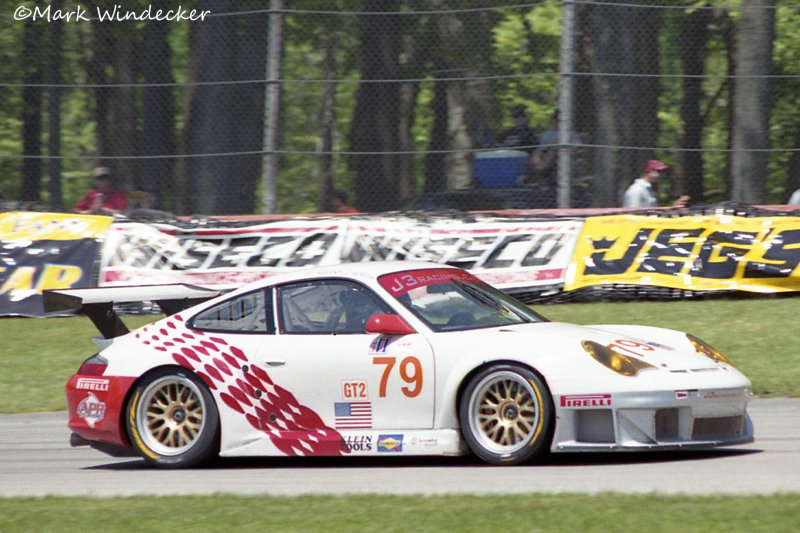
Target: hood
x=663, y=348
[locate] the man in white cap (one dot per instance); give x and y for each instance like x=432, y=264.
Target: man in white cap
x=643, y=191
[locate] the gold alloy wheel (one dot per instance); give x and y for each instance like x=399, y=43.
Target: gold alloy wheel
x=170, y=415
x=504, y=412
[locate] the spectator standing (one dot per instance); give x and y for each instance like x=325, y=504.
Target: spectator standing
x=337, y=203
x=521, y=135
x=103, y=198
x=643, y=191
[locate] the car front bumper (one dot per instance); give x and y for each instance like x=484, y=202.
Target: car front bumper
x=700, y=418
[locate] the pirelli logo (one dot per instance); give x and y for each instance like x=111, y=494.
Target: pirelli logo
x=94, y=384
x=578, y=401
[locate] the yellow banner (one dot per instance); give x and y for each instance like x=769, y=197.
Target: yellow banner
x=694, y=253
x=31, y=226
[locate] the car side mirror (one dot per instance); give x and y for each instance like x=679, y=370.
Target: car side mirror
x=388, y=325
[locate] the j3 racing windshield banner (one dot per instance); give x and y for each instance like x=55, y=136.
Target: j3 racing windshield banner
x=46, y=251
x=693, y=253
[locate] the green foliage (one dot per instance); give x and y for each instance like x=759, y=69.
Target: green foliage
x=77, y=127
x=298, y=186
x=10, y=168
x=11, y=70
x=527, y=42
x=518, y=43
x=785, y=122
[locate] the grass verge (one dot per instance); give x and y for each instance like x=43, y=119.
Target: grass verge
x=387, y=514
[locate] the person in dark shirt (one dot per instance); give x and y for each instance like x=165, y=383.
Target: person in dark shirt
x=521, y=136
x=337, y=203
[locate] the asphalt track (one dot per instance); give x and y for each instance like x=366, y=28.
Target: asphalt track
x=36, y=460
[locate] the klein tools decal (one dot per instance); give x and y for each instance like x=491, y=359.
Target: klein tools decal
x=359, y=443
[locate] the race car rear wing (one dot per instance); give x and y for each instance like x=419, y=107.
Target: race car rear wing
x=98, y=303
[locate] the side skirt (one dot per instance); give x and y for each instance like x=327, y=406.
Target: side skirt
x=369, y=442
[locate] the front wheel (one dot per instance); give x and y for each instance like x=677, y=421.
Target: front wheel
x=506, y=415
x=172, y=419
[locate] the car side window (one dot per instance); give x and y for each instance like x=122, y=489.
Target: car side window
x=246, y=313
x=327, y=307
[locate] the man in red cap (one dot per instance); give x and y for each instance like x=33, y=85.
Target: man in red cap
x=643, y=191
x=104, y=198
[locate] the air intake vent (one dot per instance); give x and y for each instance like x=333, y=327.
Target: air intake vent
x=595, y=425
x=666, y=424
x=721, y=428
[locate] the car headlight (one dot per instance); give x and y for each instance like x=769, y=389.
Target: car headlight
x=703, y=348
x=619, y=363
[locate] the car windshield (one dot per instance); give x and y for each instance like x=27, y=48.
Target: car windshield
x=454, y=300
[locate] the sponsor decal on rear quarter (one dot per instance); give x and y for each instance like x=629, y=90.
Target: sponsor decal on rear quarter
x=97, y=384
x=91, y=409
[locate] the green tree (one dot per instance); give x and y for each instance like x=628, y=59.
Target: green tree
x=373, y=131
x=32, y=53
x=694, y=35
x=223, y=118
x=752, y=102
x=158, y=107
x=54, y=79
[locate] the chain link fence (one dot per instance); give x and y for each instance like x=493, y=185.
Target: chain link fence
x=246, y=107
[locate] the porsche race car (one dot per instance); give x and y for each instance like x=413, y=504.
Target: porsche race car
x=378, y=358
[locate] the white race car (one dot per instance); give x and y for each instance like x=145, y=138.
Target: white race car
x=387, y=358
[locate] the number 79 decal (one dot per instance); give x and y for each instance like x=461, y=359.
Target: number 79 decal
x=631, y=346
x=412, y=378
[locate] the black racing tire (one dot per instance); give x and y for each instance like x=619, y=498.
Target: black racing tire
x=506, y=415
x=172, y=419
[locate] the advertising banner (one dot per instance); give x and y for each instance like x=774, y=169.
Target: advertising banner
x=507, y=253
x=534, y=257
x=694, y=253
x=137, y=253
x=46, y=251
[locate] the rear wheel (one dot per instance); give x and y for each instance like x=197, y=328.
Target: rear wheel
x=172, y=419
x=506, y=415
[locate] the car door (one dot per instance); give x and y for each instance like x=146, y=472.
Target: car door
x=351, y=379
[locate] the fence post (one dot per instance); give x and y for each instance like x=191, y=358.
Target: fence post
x=565, y=99
x=272, y=109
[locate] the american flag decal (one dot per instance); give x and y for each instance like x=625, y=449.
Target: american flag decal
x=353, y=414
